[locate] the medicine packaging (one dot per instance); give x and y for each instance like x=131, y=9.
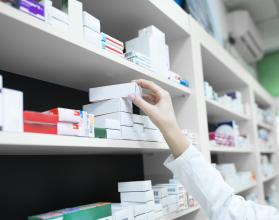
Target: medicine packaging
x=59, y=15
x=149, y=124
x=135, y=186
x=139, y=119
x=137, y=196
x=66, y=115
x=12, y=101
x=120, y=212
x=109, y=106
x=86, y=125
x=40, y=128
x=92, y=23
x=140, y=208
x=129, y=133
x=91, y=37
x=107, y=123
x=111, y=48
x=142, y=217
x=114, y=91
x=160, y=191
x=33, y=8
x=58, y=24
x=112, y=41
x=75, y=11
x=138, y=55
x=124, y=118
x=69, y=129
x=113, y=134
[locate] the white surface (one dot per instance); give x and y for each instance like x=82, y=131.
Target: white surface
x=230, y=150
x=177, y=215
x=62, y=59
x=218, y=112
x=35, y=144
x=248, y=187
x=135, y=186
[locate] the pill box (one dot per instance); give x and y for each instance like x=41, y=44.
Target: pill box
x=66, y=115
x=137, y=196
x=107, y=123
x=139, y=186
x=33, y=8
x=114, y=91
x=75, y=9
x=91, y=37
x=111, y=48
x=91, y=22
x=112, y=41
x=69, y=129
x=124, y=118
x=109, y=106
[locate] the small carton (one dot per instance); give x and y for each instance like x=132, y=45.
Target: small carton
x=91, y=22
x=107, y=123
x=121, y=212
x=135, y=186
x=111, y=48
x=160, y=192
x=114, y=91
x=113, y=134
x=68, y=129
x=124, y=118
x=91, y=37
x=112, y=41
x=137, y=196
x=109, y=106
x=75, y=9
x=66, y=115
x=139, y=207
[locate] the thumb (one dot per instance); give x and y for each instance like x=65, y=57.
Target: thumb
x=141, y=103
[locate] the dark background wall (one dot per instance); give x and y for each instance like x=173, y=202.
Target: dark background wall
x=36, y=184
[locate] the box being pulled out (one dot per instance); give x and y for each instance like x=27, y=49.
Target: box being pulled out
x=114, y=91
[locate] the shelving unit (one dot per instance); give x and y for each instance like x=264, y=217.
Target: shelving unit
x=266, y=179
x=248, y=187
x=45, y=53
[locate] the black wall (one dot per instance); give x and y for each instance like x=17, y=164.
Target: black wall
x=36, y=184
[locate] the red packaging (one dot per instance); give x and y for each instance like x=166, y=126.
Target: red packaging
x=40, y=128
x=40, y=118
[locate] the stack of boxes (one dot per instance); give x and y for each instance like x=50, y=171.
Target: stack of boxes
x=122, y=212
x=150, y=51
x=111, y=44
x=161, y=200
x=11, y=109
x=91, y=29
x=114, y=114
x=140, y=195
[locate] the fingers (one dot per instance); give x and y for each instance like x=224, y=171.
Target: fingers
x=150, y=98
x=146, y=84
x=143, y=105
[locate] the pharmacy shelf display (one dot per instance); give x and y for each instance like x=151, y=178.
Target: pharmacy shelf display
x=60, y=58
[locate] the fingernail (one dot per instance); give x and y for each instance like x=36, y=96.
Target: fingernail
x=131, y=97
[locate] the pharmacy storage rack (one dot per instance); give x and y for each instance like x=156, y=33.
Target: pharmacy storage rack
x=193, y=53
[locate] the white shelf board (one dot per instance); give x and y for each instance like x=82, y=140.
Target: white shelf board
x=43, y=144
x=218, y=112
x=266, y=179
x=230, y=150
x=123, y=18
x=264, y=125
x=56, y=57
x=250, y=186
x=177, y=215
x=268, y=151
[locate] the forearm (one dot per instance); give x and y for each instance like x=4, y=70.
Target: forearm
x=176, y=140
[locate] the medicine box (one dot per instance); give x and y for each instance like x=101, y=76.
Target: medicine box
x=152, y=31
x=135, y=186
x=75, y=10
x=109, y=106
x=120, y=212
x=160, y=192
x=124, y=118
x=137, y=196
x=112, y=41
x=135, y=54
x=111, y=48
x=100, y=132
x=69, y=129
x=12, y=110
x=153, y=135
x=58, y=24
x=40, y=128
x=91, y=22
x=163, y=201
x=66, y=115
x=83, y=125
x=48, y=216
x=129, y=133
x=91, y=125
x=113, y=134
x=114, y=91
x=173, y=189
x=91, y=37
x=59, y=15
x=107, y=123
x=33, y=8
x=138, y=128
x=149, y=124
x=139, y=119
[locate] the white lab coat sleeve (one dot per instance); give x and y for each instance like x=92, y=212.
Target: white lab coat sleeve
x=215, y=196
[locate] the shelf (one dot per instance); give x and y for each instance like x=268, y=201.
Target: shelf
x=54, y=56
x=268, y=151
x=127, y=17
x=250, y=186
x=217, y=112
x=43, y=144
x=264, y=125
x=230, y=150
x=177, y=215
x=266, y=179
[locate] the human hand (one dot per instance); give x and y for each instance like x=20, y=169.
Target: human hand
x=158, y=106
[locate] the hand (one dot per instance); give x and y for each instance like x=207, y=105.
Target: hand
x=158, y=106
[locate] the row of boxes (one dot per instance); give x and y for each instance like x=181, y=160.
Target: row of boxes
x=232, y=100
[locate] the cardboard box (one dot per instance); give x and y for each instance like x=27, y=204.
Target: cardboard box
x=149, y=124
x=173, y=189
x=75, y=11
x=68, y=129
x=86, y=125
x=129, y=133
x=138, y=119
x=138, y=128
x=163, y=201
x=66, y=115
x=109, y=106
x=12, y=110
x=153, y=135
x=137, y=196
x=160, y=191
x=40, y=128
x=39, y=118
x=120, y=212
x=112, y=41
x=124, y=118
x=59, y=15
x=33, y=8
x=100, y=133
x=113, y=134
x=111, y=48
x=107, y=123
x=154, y=32
x=58, y=24
x=114, y=91
x=135, y=186
x=140, y=208
x=92, y=22
x=140, y=63
x=140, y=56
x=91, y=37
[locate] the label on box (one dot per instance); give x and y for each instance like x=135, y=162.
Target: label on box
x=33, y=8
x=112, y=41
x=66, y=115
x=111, y=48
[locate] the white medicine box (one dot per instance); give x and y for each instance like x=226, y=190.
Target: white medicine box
x=124, y=118
x=137, y=196
x=138, y=186
x=91, y=22
x=114, y=91
x=109, y=106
